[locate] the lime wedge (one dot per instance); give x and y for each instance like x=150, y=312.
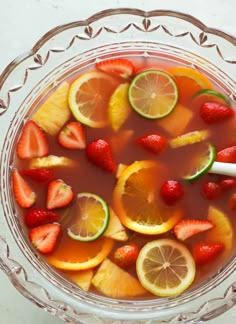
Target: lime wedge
x=153, y=94
x=202, y=163
x=91, y=218
x=208, y=95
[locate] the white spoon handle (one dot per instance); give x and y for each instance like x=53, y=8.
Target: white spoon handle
x=228, y=169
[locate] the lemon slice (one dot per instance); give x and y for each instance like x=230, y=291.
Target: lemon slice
x=153, y=94
x=119, y=106
x=165, y=267
x=89, y=96
x=137, y=201
x=91, y=218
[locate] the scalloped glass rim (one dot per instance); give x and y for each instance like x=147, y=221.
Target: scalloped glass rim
x=88, y=302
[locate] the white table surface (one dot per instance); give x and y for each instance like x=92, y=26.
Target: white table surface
x=22, y=23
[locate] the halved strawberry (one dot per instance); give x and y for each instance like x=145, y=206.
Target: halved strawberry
x=152, y=142
x=33, y=142
x=38, y=175
x=206, y=252
x=44, y=237
x=39, y=216
x=59, y=194
x=99, y=152
x=120, y=67
x=24, y=195
x=72, y=136
x=189, y=227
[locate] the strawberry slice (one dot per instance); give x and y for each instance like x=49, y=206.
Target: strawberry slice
x=99, y=152
x=40, y=216
x=38, y=175
x=24, y=195
x=212, y=112
x=154, y=142
x=44, y=237
x=72, y=136
x=33, y=142
x=189, y=227
x=204, y=253
x=227, y=155
x=59, y=194
x=120, y=67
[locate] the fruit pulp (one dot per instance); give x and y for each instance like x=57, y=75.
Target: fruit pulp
x=86, y=177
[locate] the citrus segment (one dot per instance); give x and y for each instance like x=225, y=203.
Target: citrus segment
x=223, y=231
x=119, y=106
x=189, y=82
x=81, y=278
x=89, y=96
x=91, y=217
x=165, y=267
x=112, y=281
x=75, y=255
x=189, y=138
x=137, y=202
x=153, y=94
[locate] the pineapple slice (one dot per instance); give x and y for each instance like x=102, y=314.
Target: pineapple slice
x=176, y=122
x=112, y=281
x=54, y=112
x=51, y=161
x=189, y=138
x=115, y=229
x=81, y=278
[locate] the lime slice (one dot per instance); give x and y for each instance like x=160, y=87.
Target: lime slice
x=208, y=95
x=153, y=94
x=91, y=218
x=202, y=163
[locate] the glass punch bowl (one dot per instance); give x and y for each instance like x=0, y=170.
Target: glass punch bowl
x=174, y=36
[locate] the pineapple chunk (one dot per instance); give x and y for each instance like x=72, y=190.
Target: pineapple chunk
x=51, y=161
x=177, y=121
x=112, y=281
x=119, y=140
x=54, y=112
x=189, y=138
x=81, y=278
x=121, y=167
x=115, y=229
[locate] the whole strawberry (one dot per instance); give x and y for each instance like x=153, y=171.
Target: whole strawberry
x=227, y=155
x=171, y=192
x=212, y=112
x=99, y=152
x=212, y=190
x=204, y=253
x=153, y=142
x=39, y=216
x=126, y=255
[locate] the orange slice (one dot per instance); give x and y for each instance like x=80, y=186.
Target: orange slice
x=76, y=255
x=112, y=281
x=189, y=82
x=89, y=96
x=137, y=202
